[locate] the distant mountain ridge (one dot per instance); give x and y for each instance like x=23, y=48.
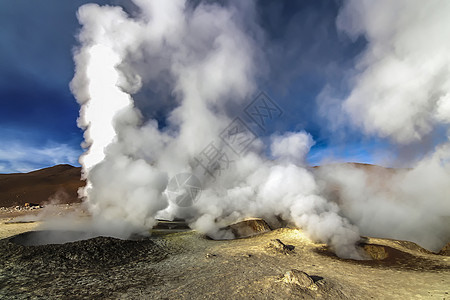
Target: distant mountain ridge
x=63, y=181
x=59, y=182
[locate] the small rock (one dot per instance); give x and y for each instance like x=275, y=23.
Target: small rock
x=243, y=229
x=300, y=279
x=281, y=247
x=210, y=255
x=248, y=228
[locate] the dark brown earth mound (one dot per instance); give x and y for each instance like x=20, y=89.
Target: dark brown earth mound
x=88, y=269
x=45, y=237
x=60, y=182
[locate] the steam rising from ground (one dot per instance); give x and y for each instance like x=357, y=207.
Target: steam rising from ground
x=401, y=91
x=205, y=57
x=198, y=61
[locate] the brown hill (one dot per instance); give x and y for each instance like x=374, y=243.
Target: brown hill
x=60, y=182
x=63, y=181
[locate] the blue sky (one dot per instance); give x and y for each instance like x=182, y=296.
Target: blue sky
x=38, y=113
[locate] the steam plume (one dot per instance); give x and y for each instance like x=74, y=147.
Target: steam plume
x=402, y=84
x=157, y=87
x=197, y=60
x=400, y=91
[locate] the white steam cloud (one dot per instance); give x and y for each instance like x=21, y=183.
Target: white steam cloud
x=401, y=91
x=402, y=84
x=206, y=59
x=200, y=60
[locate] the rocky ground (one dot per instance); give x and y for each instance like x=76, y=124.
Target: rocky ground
x=180, y=264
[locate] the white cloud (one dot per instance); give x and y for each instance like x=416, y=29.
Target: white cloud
x=21, y=157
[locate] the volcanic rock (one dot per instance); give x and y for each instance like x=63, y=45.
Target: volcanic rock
x=376, y=252
x=281, y=247
x=445, y=250
x=299, y=278
x=248, y=228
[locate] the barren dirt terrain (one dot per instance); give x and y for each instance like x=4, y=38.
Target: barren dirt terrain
x=183, y=264
x=177, y=263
